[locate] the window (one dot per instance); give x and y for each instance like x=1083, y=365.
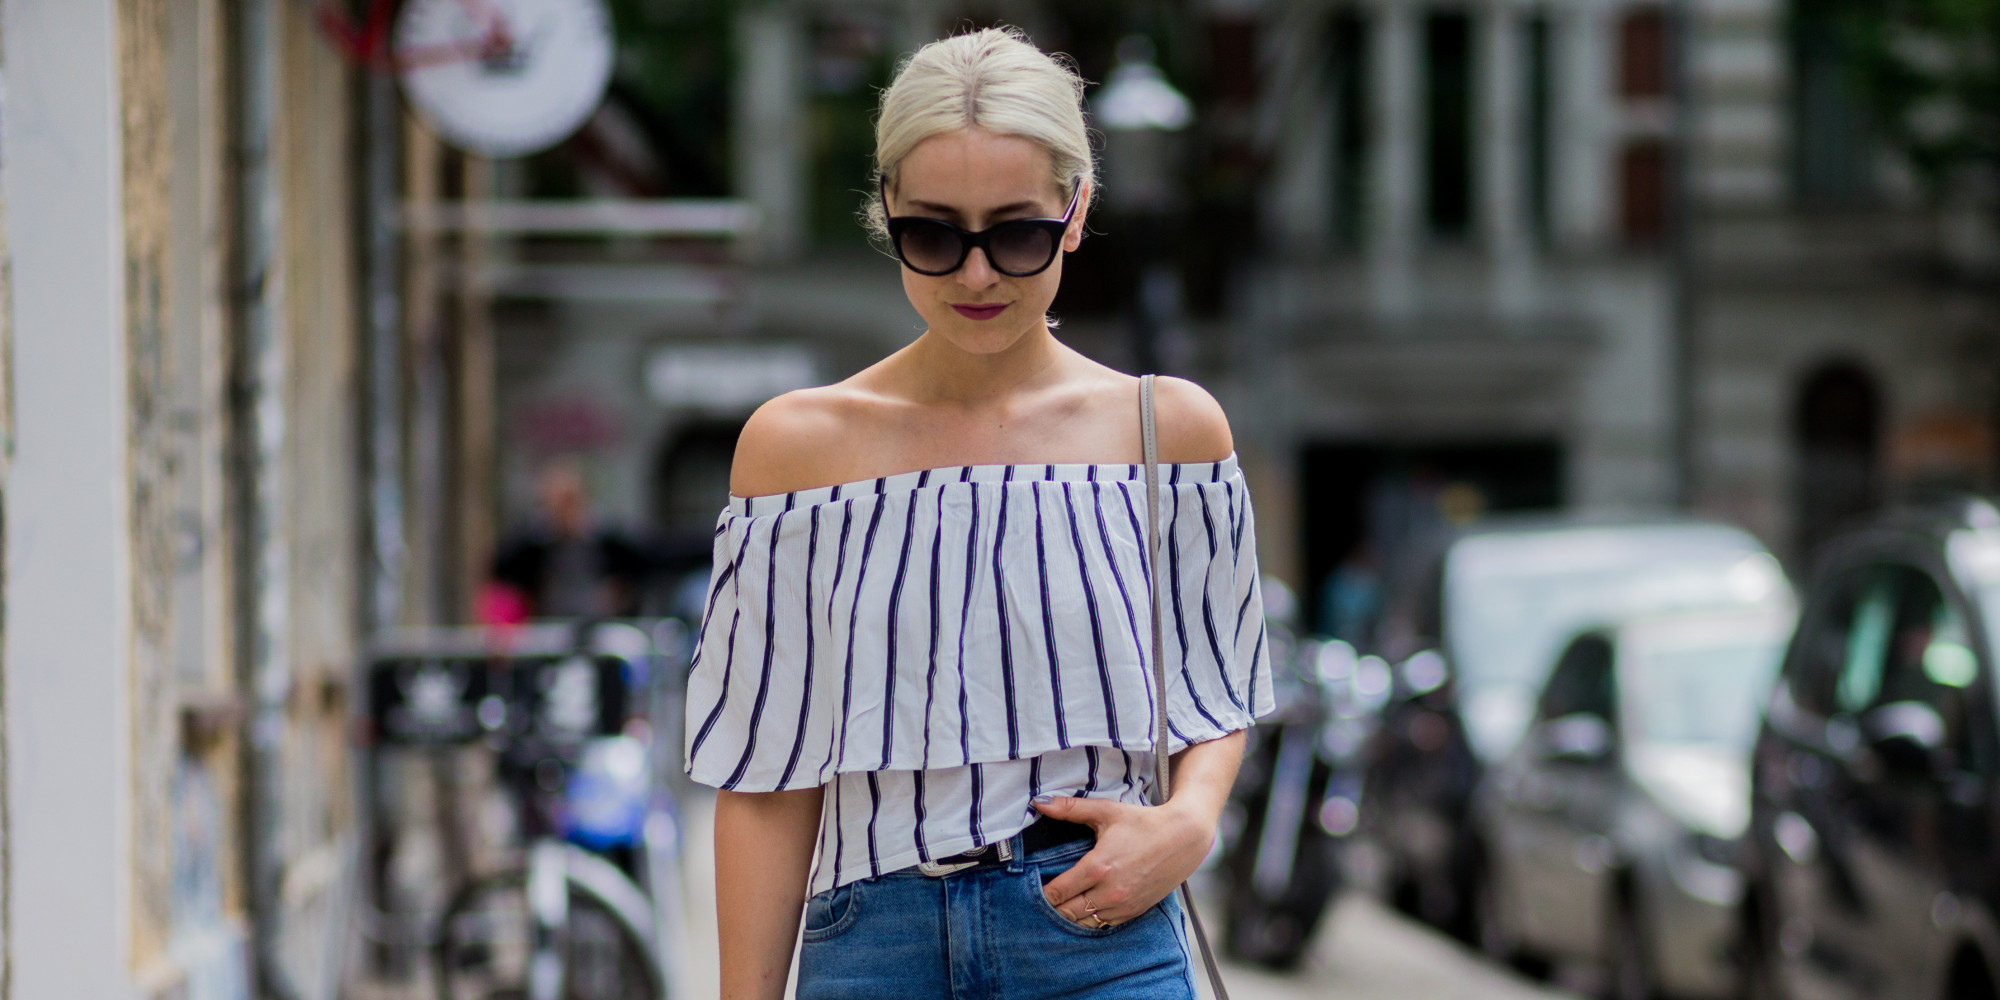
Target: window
x=1350, y=70
x=1643, y=71
x=1901, y=641
x=1540, y=130
x=1448, y=166
x=1832, y=149
x=1582, y=682
x=1642, y=191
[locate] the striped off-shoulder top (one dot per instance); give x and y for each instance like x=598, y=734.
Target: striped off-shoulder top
x=940, y=647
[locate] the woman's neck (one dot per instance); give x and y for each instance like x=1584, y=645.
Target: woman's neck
x=941, y=372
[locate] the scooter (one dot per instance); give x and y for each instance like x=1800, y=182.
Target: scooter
x=1296, y=799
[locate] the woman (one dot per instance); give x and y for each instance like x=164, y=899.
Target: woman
x=923, y=681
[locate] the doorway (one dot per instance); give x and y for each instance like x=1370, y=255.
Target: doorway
x=1837, y=432
x=1371, y=507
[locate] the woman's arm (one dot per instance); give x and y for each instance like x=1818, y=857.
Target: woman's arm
x=1144, y=852
x=763, y=850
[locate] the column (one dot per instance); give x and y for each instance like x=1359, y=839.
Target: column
x=1502, y=159
x=68, y=607
x=770, y=126
x=1299, y=208
x=1580, y=188
x=1392, y=235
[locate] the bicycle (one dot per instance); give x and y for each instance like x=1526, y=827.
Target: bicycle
x=571, y=920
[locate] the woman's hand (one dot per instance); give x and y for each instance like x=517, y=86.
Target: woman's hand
x=1144, y=852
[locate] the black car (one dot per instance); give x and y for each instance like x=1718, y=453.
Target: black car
x=1472, y=633
x=1875, y=812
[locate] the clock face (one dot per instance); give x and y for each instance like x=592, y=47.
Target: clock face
x=504, y=77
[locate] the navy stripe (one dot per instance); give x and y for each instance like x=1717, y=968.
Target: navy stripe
x=770, y=652
x=964, y=616
x=917, y=828
x=839, y=828
x=1180, y=617
x=714, y=591
x=1090, y=780
x=840, y=559
x=1207, y=606
x=839, y=732
x=1237, y=509
x=1096, y=623
x=806, y=693
x=1049, y=624
x=1256, y=656
x=1144, y=536
x=978, y=797
x=729, y=659
x=930, y=676
x=874, y=813
x=853, y=619
x=890, y=635
x=1006, y=631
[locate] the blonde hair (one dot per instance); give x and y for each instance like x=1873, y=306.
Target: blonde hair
x=992, y=79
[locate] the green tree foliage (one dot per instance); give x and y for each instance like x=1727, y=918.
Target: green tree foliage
x=1929, y=71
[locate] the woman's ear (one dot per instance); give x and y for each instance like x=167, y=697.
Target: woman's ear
x=1073, y=236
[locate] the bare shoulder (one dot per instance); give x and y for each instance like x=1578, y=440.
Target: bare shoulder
x=1192, y=426
x=791, y=442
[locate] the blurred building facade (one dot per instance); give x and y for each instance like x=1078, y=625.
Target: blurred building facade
x=185, y=518
x=1430, y=255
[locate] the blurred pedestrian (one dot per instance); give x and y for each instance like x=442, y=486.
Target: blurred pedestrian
x=565, y=565
x=1351, y=597
x=924, y=681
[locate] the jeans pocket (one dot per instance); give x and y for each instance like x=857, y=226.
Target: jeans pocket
x=1040, y=878
x=831, y=912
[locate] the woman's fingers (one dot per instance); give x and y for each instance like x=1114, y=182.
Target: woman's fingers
x=1093, y=813
x=1092, y=886
x=1064, y=889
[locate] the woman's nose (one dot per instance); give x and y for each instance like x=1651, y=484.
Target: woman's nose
x=977, y=272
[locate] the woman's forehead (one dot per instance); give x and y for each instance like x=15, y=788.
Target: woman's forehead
x=975, y=168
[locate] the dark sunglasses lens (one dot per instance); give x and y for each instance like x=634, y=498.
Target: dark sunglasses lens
x=1021, y=248
x=929, y=246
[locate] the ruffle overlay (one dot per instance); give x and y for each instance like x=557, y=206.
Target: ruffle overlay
x=971, y=615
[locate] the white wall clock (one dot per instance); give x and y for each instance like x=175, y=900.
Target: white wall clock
x=504, y=77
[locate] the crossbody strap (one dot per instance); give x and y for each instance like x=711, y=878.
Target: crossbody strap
x=1150, y=440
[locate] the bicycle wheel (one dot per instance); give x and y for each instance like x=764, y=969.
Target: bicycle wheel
x=486, y=945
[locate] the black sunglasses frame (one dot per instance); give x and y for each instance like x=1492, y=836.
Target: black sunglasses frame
x=967, y=241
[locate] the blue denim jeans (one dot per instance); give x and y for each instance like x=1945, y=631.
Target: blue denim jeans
x=985, y=934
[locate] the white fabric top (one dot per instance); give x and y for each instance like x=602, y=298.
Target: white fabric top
x=942, y=646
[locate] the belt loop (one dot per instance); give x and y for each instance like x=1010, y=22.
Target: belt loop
x=1017, y=845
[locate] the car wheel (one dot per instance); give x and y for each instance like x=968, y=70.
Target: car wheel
x=1489, y=920
x=1757, y=953
x=1492, y=935
x=1628, y=972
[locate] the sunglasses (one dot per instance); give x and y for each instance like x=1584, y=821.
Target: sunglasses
x=1018, y=248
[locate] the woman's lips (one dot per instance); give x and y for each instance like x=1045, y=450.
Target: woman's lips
x=980, y=311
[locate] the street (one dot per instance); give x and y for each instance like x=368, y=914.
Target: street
x=1363, y=952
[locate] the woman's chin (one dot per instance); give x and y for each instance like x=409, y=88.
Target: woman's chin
x=981, y=337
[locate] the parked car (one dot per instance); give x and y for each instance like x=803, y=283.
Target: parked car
x=1609, y=835
x=1871, y=855
x=1472, y=631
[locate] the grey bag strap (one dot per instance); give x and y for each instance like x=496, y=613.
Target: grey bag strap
x=1150, y=439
